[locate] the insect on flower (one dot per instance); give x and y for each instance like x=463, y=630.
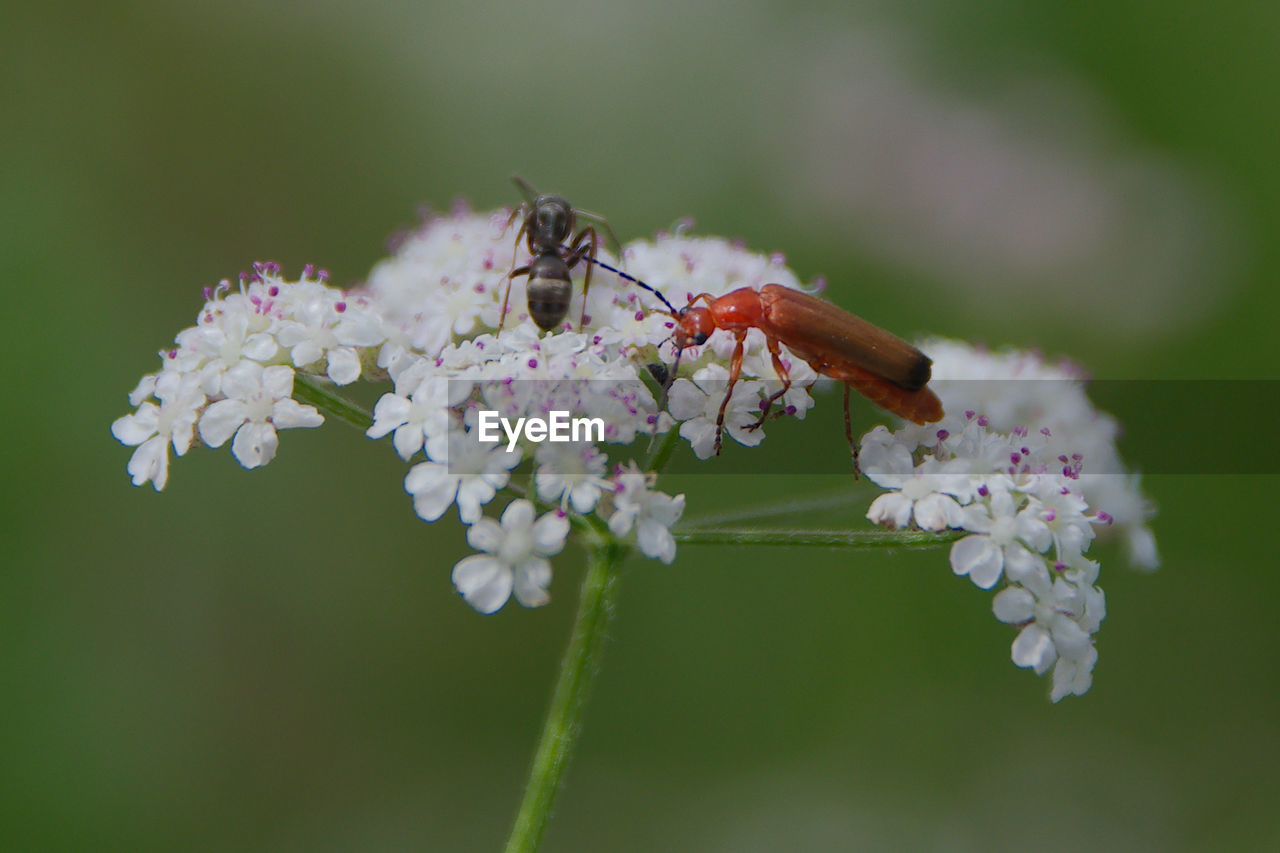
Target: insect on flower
x=880, y=366
x=548, y=227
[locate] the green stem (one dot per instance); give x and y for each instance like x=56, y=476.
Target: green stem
x=577, y=670
x=857, y=540
x=319, y=394
x=662, y=453
x=775, y=509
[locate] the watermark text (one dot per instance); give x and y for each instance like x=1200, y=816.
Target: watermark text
x=558, y=426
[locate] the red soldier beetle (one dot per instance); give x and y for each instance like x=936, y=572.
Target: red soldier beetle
x=877, y=364
x=880, y=366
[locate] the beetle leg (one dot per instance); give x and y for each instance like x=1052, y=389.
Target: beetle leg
x=848, y=432
x=735, y=368
x=783, y=375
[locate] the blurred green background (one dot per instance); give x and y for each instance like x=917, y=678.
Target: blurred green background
x=276, y=660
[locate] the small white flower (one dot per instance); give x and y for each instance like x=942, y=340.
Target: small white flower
x=422, y=418
x=998, y=523
x=571, y=473
x=796, y=402
x=324, y=324
x=1058, y=616
x=697, y=403
x=1074, y=677
x=226, y=336
x=514, y=559
x=153, y=428
x=649, y=512
x=1013, y=388
x=258, y=404
x=926, y=494
x=470, y=473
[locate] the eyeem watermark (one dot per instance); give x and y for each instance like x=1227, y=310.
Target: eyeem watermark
x=557, y=427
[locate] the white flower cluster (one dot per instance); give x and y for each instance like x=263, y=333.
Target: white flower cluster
x=231, y=375
x=1010, y=465
x=426, y=319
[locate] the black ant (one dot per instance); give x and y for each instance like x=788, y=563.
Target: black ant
x=549, y=223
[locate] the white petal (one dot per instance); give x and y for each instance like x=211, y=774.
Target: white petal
x=979, y=558
x=685, y=400
x=1023, y=567
x=278, y=381
x=656, y=541
x=892, y=508
x=518, y=516
x=407, y=441
x=485, y=535
x=738, y=430
x=146, y=385
x=182, y=430
x=220, y=421
x=1013, y=605
x=344, y=365
x=474, y=492
x=937, y=512
x=532, y=577
x=305, y=353
x=1073, y=677
x=255, y=444
x=1141, y=544
x=150, y=462
x=622, y=519
x=701, y=435
x=259, y=347
x=583, y=497
x=1070, y=639
x=433, y=489
x=549, y=533
x=389, y=413
x=483, y=581
x=243, y=380
x=134, y=429
x=289, y=414
x=1033, y=647
x=884, y=464
x=362, y=329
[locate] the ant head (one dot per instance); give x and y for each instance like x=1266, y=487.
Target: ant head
x=550, y=219
x=693, y=327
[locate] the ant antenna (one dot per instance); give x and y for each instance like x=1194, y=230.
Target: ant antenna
x=635, y=280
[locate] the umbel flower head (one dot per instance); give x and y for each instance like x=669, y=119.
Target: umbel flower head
x=470, y=409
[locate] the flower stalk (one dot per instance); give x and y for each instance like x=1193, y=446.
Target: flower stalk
x=853, y=540
x=577, y=671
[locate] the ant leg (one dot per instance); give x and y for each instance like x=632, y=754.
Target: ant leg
x=577, y=250
x=526, y=189
x=604, y=226
x=783, y=375
x=506, y=296
x=502, y=318
x=735, y=368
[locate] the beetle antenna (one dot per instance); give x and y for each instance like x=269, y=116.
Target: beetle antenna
x=634, y=280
